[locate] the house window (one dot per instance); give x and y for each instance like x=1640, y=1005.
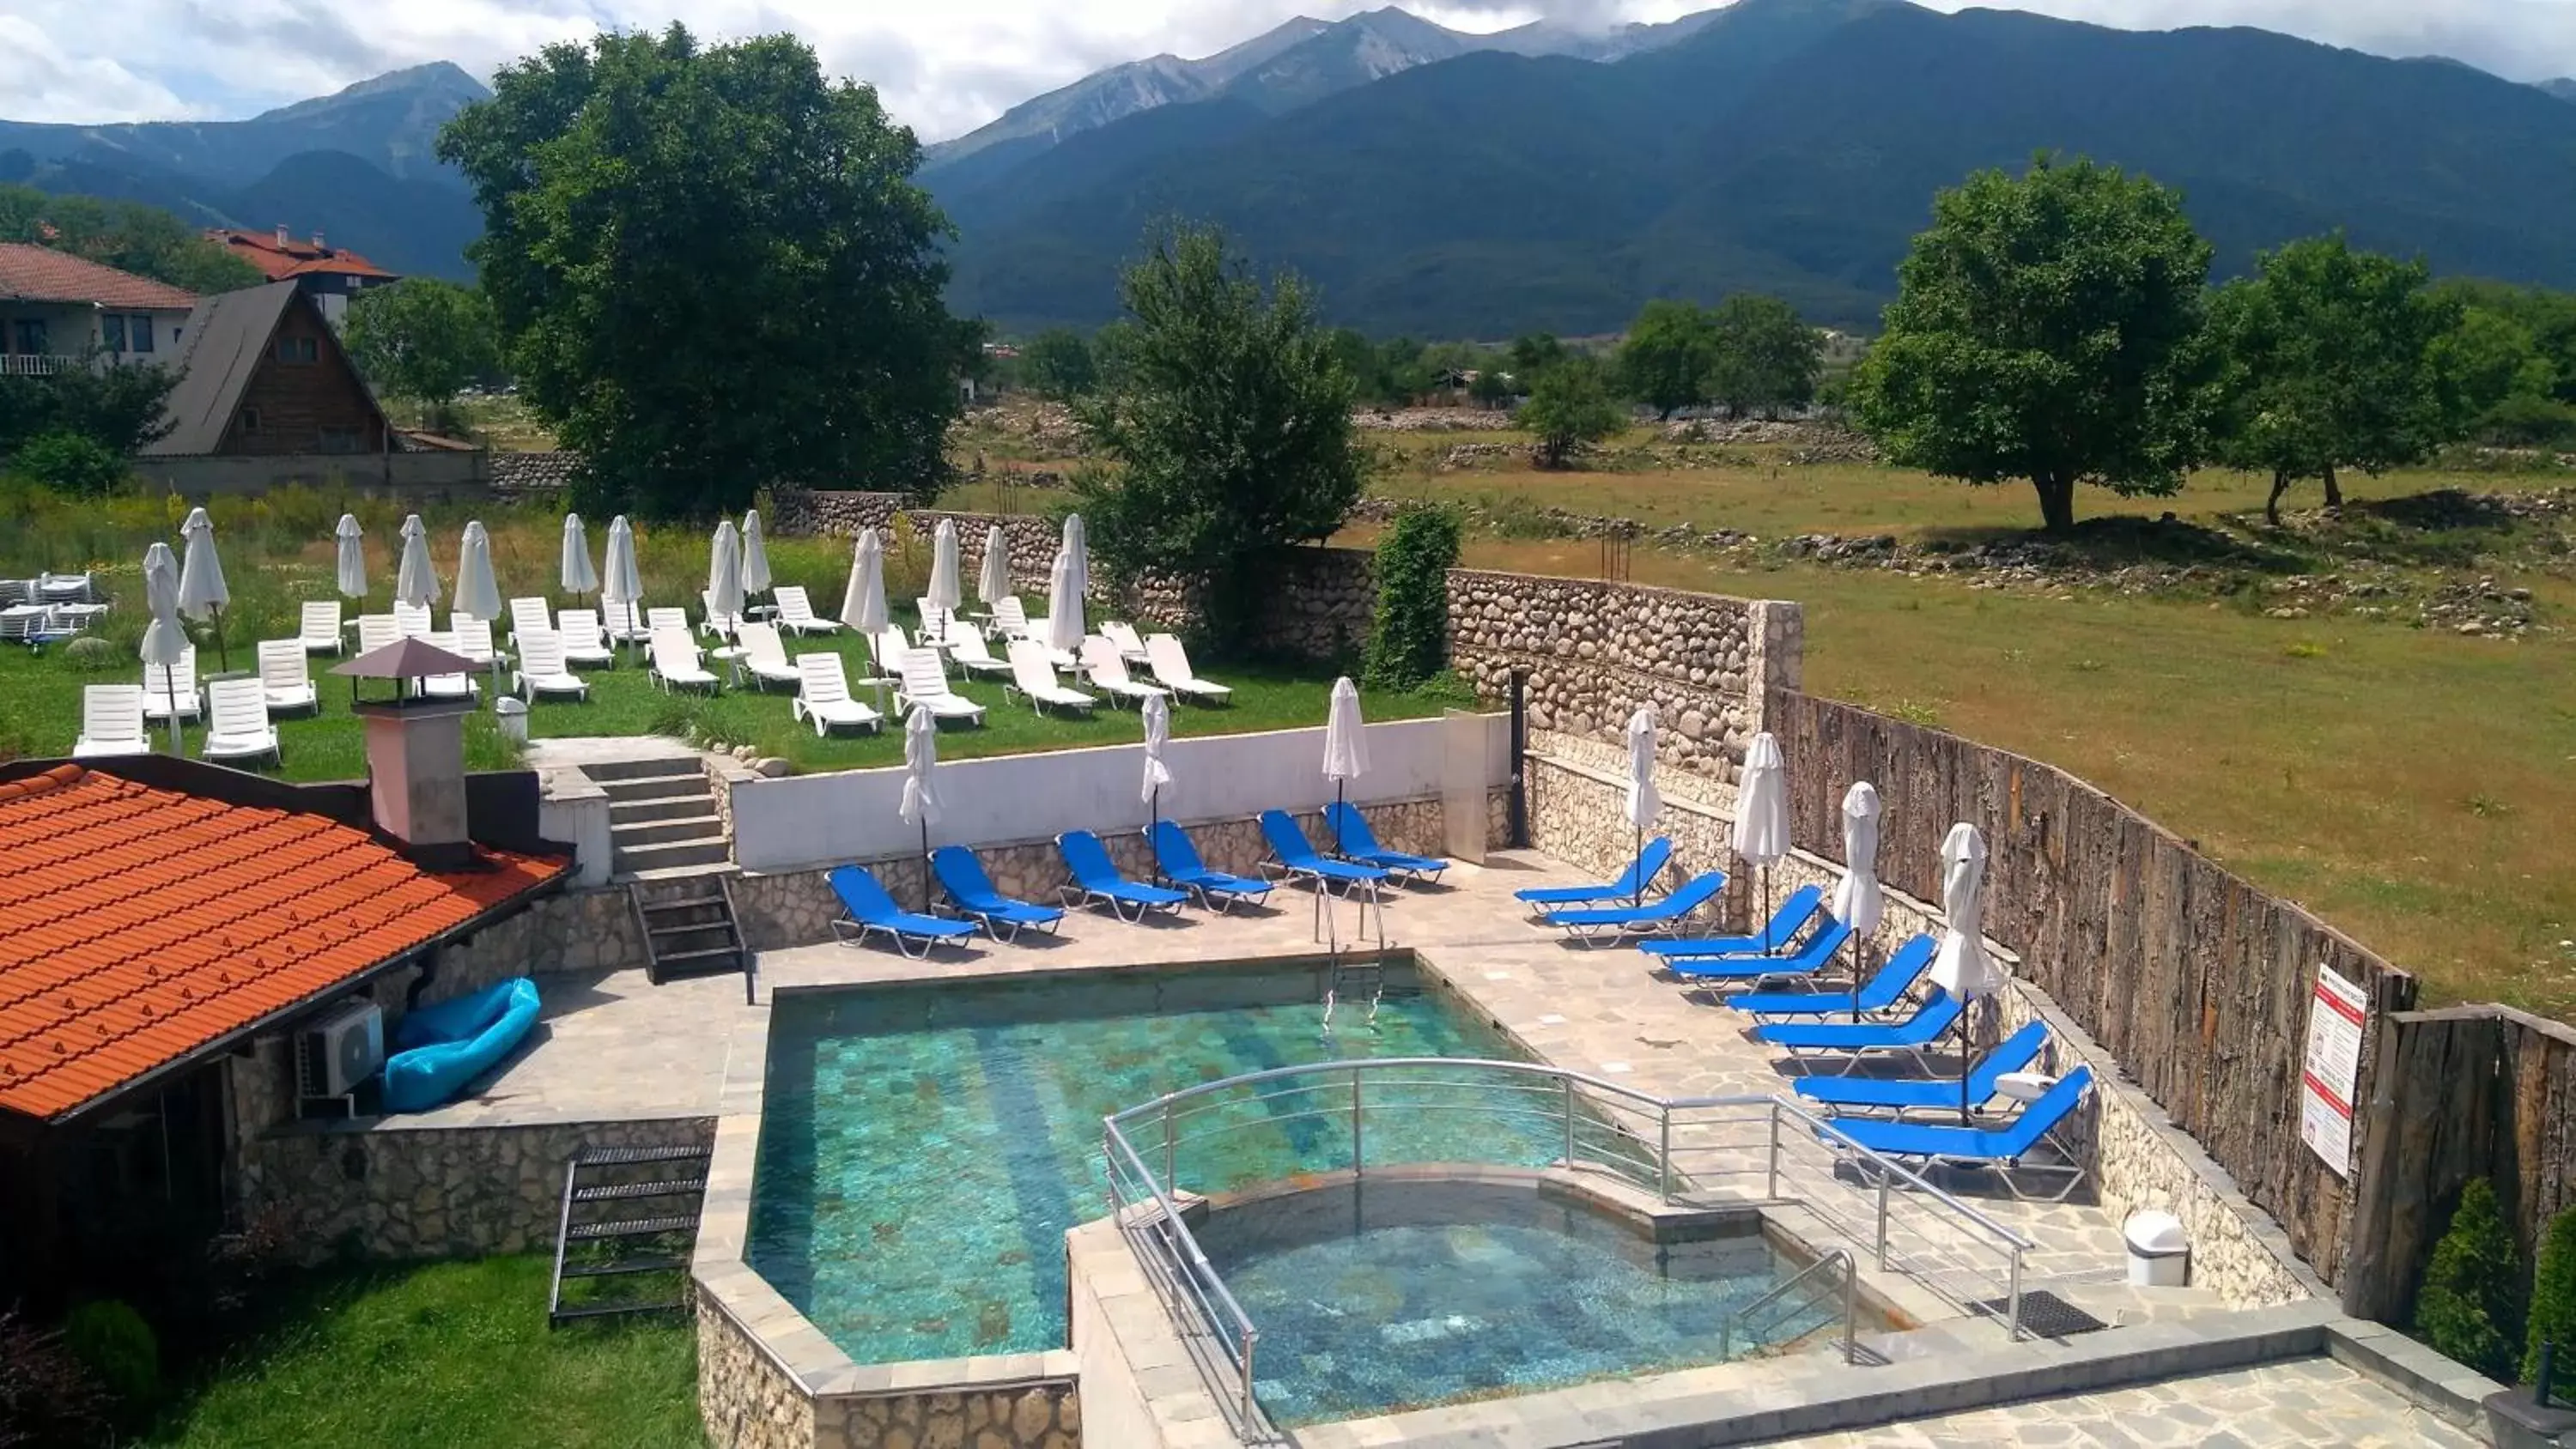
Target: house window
x=250, y=420
x=31, y=336
x=111, y=332
x=138, y=332
x=297, y=349
x=340, y=440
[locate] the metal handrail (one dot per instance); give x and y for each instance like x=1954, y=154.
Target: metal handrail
x=1780, y=1290
x=1172, y=1253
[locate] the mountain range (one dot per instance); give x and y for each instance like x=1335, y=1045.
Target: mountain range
x=1789, y=146
x=359, y=166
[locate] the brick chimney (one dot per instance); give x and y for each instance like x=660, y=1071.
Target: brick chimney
x=317, y=244
x=416, y=776
x=283, y=240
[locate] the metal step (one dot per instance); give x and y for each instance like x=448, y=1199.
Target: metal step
x=607, y=1192
x=624, y=1156
x=619, y=1270
x=682, y=959
x=689, y=928
x=604, y=1310
x=683, y=903
x=628, y=1228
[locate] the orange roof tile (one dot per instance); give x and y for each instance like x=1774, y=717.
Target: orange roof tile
x=41, y=274
x=139, y=924
x=295, y=258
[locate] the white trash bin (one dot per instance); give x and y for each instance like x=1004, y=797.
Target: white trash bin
x=2159, y=1257
x=511, y=714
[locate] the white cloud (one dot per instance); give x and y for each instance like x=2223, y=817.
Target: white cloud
x=946, y=67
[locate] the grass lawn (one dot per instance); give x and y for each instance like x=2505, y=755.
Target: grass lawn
x=437, y=1356
x=2411, y=786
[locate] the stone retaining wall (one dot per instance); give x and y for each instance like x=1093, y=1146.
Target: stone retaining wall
x=384, y=1191
x=819, y=513
x=573, y=931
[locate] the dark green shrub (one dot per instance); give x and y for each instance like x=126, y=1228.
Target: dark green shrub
x=72, y=464
x=1411, y=641
x=46, y=1397
x=2470, y=1308
x=2553, y=1297
x=113, y=1342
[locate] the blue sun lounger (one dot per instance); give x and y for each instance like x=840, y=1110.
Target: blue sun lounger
x=868, y=911
x=1096, y=880
x=1886, y=987
x=1181, y=865
x=1794, y=914
x=1631, y=884
x=1900, y=1095
x=1807, y=960
x=1984, y=1146
x=1298, y=856
x=1594, y=925
x=1354, y=840
x=962, y=876
x=1936, y=1015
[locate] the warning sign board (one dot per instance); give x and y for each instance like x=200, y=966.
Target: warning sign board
x=2335, y=1017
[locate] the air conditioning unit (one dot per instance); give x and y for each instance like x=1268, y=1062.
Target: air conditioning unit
x=337, y=1051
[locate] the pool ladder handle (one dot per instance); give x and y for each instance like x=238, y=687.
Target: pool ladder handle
x=1851, y=1303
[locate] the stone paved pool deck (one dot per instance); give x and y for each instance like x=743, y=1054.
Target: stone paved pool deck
x=615, y=1048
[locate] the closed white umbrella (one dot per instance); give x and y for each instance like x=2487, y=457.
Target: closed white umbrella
x=755, y=556
x=1158, y=733
x=1643, y=801
x=1079, y=551
x=163, y=639
x=863, y=601
x=577, y=575
x=993, y=581
x=353, y=556
x=724, y=577
x=1962, y=967
x=415, y=581
x=1762, y=816
x=477, y=592
x=202, y=594
x=1858, y=902
x=1064, y=604
x=920, y=794
x=621, y=584
x=1345, y=744
x=946, y=589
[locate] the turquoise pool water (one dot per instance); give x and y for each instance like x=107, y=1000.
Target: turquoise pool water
x=924, y=1149
x=1397, y=1294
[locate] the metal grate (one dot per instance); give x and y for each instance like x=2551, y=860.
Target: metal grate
x=2045, y=1315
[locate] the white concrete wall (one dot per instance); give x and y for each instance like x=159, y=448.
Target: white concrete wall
x=805, y=821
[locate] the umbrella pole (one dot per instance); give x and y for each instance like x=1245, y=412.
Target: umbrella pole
x=1967, y=1049
x=925, y=877
x=1766, y=908
x=1637, y=877
x=1154, y=817
x=1860, y=959
x=1339, y=848
x=221, y=653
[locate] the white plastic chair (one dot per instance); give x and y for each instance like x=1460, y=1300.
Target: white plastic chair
x=286, y=676
x=1033, y=679
x=541, y=667
x=318, y=627
x=966, y=646
x=676, y=662
x=926, y=684
x=823, y=696
x=172, y=691
x=111, y=722
x=411, y=621
x=584, y=641
x=237, y=726
x=448, y=686
x=763, y=655
x=1107, y=671
x=796, y=611
x=1172, y=670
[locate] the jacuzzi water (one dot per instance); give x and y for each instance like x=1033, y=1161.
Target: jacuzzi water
x=1396, y=1294
x=924, y=1149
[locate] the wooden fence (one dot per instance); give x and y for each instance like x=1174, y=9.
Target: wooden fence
x=2196, y=982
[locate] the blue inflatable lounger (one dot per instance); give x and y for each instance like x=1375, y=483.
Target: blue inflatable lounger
x=450, y=1044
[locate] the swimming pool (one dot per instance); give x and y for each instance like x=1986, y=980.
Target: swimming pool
x=1397, y=1293
x=924, y=1148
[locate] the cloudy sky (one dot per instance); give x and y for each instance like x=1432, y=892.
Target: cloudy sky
x=946, y=67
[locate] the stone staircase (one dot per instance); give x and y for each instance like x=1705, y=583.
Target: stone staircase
x=661, y=817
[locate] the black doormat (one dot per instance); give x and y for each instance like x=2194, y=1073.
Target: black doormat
x=2045, y=1315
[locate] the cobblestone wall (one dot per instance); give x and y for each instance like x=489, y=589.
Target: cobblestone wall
x=801, y=513
x=402, y=1192
x=592, y=930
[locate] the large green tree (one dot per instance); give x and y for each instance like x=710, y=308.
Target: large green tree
x=1058, y=364
x=1762, y=354
x=2335, y=360
x=1568, y=406
x=1230, y=421
x=126, y=235
x=712, y=269
x=2047, y=328
x=423, y=339
x=1665, y=361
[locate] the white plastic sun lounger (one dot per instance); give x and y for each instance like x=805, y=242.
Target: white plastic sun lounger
x=763, y=655
x=375, y=631
x=966, y=646
x=411, y=621
x=318, y=628
x=286, y=676
x=1108, y=673
x=926, y=684
x=676, y=664
x=887, y=648
x=796, y=612
x=172, y=691
x=1010, y=619
x=448, y=686
x=541, y=667
x=1172, y=670
x=237, y=726
x=823, y=696
x=657, y=620
x=111, y=722
x=528, y=616
x=1033, y=679
x=1130, y=648
x=584, y=641
x=473, y=638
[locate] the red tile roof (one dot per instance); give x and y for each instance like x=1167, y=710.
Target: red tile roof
x=139, y=924
x=41, y=274
x=295, y=258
